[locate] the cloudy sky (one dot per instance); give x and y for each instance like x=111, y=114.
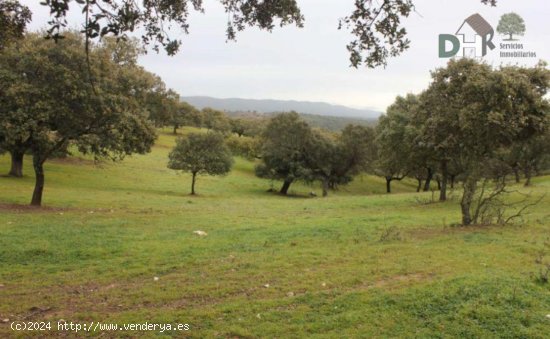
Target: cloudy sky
x=312, y=63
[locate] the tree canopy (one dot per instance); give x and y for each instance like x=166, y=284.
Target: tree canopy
x=395, y=140
x=215, y=120
x=376, y=27
x=14, y=18
x=285, y=144
x=335, y=159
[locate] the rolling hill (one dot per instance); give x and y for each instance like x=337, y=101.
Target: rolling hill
x=270, y=106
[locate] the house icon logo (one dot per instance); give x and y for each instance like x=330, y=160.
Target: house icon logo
x=472, y=39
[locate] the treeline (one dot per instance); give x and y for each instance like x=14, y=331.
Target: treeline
x=473, y=121
x=330, y=123
x=473, y=124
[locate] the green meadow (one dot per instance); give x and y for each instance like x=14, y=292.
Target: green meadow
x=359, y=263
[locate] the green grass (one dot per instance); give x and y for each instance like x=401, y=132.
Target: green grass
x=109, y=229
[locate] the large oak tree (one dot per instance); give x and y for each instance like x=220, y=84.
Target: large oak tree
x=57, y=95
x=286, y=142
x=472, y=111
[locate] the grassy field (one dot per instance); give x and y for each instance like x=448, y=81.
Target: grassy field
x=359, y=263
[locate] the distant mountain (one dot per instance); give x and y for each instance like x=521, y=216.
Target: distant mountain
x=270, y=106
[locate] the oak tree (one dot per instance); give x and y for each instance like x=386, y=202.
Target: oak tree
x=201, y=153
x=215, y=120
x=334, y=159
x=395, y=140
x=285, y=142
x=54, y=101
x=481, y=110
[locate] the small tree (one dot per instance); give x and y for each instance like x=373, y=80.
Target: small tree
x=172, y=109
x=215, y=120
x=246, y=147
x=531, y=155
x=201, y=154
x=325, y=160
x=185, y=114
x=511, y=24
x=335, y=159
x=241, y=126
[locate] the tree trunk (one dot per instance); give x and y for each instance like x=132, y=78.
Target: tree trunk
x=193, y=179
x=38, y=165
x=516, y=174
x=325, y=187
x=527, y=173
x=285, y=187
x=453, y=181
x=388, y=185
x=428, y=179
x=467, y=198
x=444, y=178
x=176, y=129
x=16, y=164
x=419, y=185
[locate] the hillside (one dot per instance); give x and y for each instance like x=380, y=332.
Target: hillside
x=333, y=123
x=115, y=244
x=270, y=106
x=330, y=123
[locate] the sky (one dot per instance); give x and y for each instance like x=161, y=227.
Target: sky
x=311, y=63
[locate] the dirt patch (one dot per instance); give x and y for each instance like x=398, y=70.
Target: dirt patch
x=29, y=209
x=163, y=146
x=402, y=279
x=75, y=161
x=18, y=208
x=433, y=232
